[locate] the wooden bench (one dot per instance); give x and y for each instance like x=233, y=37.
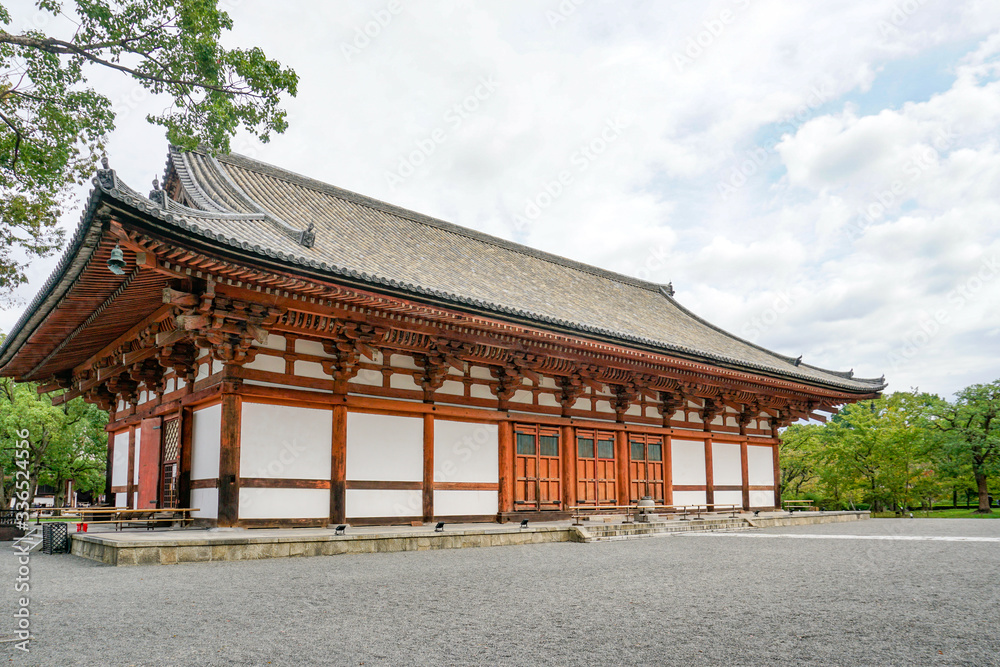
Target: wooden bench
x=801, y=505
x=148, y=518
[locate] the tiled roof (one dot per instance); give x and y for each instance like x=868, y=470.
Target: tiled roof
x=264, y=210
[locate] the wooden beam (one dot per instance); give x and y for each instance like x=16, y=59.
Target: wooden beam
x=157, y=315
x=506, y=454
x=428, y=486
x=229, y=460
x=745, y=474
x=709, y=473
x=621, y=468
x=338, y=465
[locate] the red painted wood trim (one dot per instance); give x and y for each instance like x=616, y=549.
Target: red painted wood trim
x=668, y=471
x=428, y=484
x=777, y=477
x=505, y=452
x=767, y=487
x=569, y=460
x=184, y=476
x=119, y=489
x=622, y=455
x=465, y=486
x=283, y=483
x=204, y=484
x=380, y=485
x=733, y=487
x=745, y=472
x=229, y=461
x=709, y=473
x=689, y=487
x=130, y=482
x=338, y=465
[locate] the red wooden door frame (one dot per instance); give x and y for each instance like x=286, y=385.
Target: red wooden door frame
x=149, y=464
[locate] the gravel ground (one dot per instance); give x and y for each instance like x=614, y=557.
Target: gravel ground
x=689, y=600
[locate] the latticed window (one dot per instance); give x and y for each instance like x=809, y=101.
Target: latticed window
x=171, y=462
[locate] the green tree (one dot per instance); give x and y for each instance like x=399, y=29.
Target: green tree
x=971, y=426
x=53, y=125
x=799, y=454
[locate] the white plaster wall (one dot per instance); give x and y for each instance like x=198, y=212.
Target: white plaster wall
x=401, y=381
x=138, y=446
x=207, y=502
x=549, y=400
x=384, y=448
x=216, y=366
x=311, y=369
x=727, y=466
x=521, y=396
x=274, y=342
x=480, y=373
x=267, y=362
x=760, y=466
x=480, y=391
x=119, y=462
x=452, y=388
x=762, y=499
x=403, y=361
x=458, y=503
x=121, y=500
x=367, y=377
x=582, y=404
x=603, y=406
x=729, y=498
x=465, y=452
x=202, y=372
x=285, y=442
x=170, y=386
x=206, y=432
x=548, y=383
x=284, y=503
x=687, y=463
x=689, y=498
x=181, y=383
x=634, y=410
x=362, y=503
x=310, y=347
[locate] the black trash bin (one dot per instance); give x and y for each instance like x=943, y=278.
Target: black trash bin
x=55, y=538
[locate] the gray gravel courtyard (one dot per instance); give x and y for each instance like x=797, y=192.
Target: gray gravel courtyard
x=755, y=598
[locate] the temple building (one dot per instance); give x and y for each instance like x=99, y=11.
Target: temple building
x=275, y=351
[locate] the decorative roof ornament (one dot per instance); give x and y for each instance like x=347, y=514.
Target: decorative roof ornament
x=307, y=238
x=158, y=195
x=797, y=361
x=670, y=289
x=106, y=176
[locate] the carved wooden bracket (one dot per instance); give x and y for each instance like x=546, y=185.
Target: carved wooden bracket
x=351, y=340
x=148, y=372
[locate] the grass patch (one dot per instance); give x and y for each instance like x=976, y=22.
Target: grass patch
x=958, y=513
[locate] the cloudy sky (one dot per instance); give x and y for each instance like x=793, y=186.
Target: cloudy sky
x=820, y=178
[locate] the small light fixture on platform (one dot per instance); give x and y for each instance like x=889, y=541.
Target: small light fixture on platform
x=439, y=528
x=756, y=512
x=339, y=530
x=116, y=263
x=524, y=524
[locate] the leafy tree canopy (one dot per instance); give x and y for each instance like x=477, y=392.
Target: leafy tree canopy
x=53, y=125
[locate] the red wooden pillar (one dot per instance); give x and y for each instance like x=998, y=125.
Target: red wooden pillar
x=229, y=460
x=668, y=472
x=506, y=454
x=184, y=475
x=621, y=467
x=130, y=482
x=108, y=494
x=569, y=454
x=338, y=465
x=709, y=474
x=745, y=474
x=148, y=490
x=428, y=467
x=777, y=476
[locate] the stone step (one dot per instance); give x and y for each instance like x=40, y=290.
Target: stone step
x=606, y=533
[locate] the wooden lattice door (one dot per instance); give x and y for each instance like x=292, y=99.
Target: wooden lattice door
x=171, y=462
x=595, y=468
x=646, y=467
x=538, y=482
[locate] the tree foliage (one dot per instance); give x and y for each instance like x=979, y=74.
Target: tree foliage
x=904, y=450
x=53, y=125
x=66, y=442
